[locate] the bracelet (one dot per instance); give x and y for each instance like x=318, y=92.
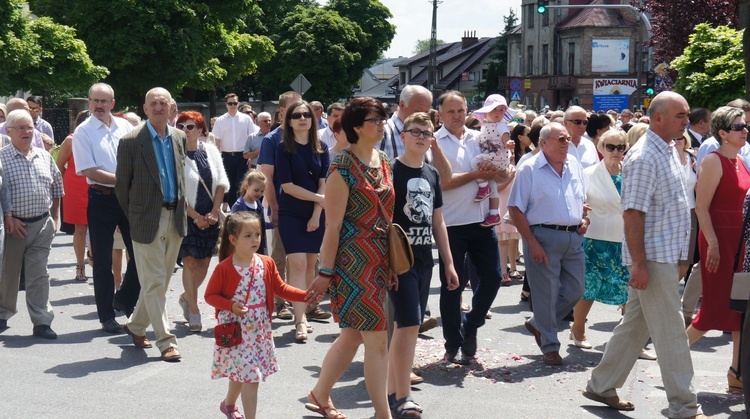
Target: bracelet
x=325, y=274
x=326, y=270
x=195, y=221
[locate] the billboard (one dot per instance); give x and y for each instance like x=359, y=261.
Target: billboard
x=613, y=93
x=610, y=55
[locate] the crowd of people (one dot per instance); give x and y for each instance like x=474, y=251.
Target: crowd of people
x=612, y=207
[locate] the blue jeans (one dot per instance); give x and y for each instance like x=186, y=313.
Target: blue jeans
x=481, y=245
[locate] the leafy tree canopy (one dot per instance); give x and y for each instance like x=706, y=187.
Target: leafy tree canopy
x=41, y=56
x=423, y=45
x=168, y=43
x=711, y=71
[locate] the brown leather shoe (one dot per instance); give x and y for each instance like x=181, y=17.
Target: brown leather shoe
x=552, y=358
x=171, y=354
x=139, y=341
x=534, y=331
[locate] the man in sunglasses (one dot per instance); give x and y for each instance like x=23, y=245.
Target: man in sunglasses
x=35, y=109
x=231, y=131
x=581, y=147
x=546, y=206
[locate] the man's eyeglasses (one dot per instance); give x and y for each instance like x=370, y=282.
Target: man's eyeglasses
x=562, y=139
x=233, y=103
x=300, y=115
x=611, y=147
x=101, y=101
x=377, y=120
x=37, y=109
x=416, y=133
x=583, y=122
x=188, y=127
x=739, y=127
x=26, y=129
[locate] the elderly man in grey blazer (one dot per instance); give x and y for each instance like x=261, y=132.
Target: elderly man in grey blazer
x=151, y=190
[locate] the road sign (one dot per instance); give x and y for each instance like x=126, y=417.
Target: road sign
x=300, y=84
x=526, y=84
x=516, y=84
x=515, y=95
x=647, y=102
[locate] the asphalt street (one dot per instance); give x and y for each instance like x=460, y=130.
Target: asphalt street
x=87, y=373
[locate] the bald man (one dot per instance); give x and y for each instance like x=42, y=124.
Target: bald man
x=18, y=103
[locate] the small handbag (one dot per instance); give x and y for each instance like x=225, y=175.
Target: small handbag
x=741, y=280
x=399, y=248
x=229, y=334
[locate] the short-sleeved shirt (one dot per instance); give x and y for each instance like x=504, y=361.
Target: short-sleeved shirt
x=233, y=131
x=585, y=152
x=33, y=181
x=268, y=147
x=459, y=207
x=95, y=144
x=303, y=168
x=652, y=183
x=545, y=197
x=418, y=194
x=44, y=127
x=253, y=144
x=327, y=136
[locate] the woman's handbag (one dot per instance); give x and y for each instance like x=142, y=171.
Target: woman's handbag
x=228, y=335
x=399, y=248
x=741, y=280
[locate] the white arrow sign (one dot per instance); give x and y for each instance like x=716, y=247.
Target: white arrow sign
x=300, y=84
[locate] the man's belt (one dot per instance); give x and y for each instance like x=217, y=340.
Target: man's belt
x=231, y=153
x=169, y=205
x=32, y=219
x=569, y=229
x=105, y=190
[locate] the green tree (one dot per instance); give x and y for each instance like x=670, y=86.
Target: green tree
x=41, y=56
x=711, y=70
x=169, y=43
x=423, y=45
x=371, y=16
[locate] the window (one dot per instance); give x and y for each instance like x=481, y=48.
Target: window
x=530, y=15
x=484, y=73
x=571, y=58
x=402, y=77
x=545, y=59
x=530, y=59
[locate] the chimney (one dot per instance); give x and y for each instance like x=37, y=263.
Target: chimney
x=469, y=39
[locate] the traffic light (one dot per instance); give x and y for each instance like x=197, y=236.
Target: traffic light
x=648, y=87
x=541, y=7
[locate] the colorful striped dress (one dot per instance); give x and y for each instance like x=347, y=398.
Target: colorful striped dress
x=358, y=289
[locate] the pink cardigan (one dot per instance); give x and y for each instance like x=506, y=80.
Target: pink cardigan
x=225, y=279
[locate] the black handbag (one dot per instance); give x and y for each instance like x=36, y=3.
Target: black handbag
x=741, y=280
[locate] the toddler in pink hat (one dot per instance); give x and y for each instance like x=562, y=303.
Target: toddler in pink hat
x=494, y=140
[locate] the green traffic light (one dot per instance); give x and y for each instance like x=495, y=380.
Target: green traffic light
x=541, y=9
x=650, y=91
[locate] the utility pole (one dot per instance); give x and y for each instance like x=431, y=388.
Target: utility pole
x=432, y=63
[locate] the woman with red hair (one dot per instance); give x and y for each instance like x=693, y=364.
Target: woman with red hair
x=205, y=184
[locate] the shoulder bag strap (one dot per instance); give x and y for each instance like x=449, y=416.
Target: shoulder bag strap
x=355, y=162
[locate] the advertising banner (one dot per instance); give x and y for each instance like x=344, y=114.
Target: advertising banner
x=613, y=93
x=610, y=55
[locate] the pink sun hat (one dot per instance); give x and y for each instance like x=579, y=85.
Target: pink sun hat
x=492, y=102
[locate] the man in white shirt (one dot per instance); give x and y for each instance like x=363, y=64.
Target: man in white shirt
x=231, y=131
x=95, y=144
x=334, y=112
x=580, y=147
x=456, y=146
x=414, y=98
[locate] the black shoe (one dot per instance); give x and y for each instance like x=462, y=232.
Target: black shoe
x=470, y=341
x=456, y=356
x=569, y=317
x=111, y=326
x=122, y=308
x=3, y=324
x=44, y=331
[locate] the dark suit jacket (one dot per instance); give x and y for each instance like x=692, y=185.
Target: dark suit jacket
x=138, y=185
x=693, y=141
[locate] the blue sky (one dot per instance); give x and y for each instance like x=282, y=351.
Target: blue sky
x=413, y=20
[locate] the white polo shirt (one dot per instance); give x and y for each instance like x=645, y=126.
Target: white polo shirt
x=95, y=145
x=233, y=131
x=459, y=207
x=585, y=153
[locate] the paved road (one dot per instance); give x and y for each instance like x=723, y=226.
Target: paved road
x=90, y=374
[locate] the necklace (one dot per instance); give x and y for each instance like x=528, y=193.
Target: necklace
x=736, y=165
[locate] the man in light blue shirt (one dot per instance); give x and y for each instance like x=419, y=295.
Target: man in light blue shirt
x=165, y=162
x=546, y=205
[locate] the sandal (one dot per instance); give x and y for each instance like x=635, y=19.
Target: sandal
x=734, y=381
x=401, y=412
x=614, y=402
x=506, y=280
x=514, y=274
x=300, y=335
x=525, y=296
x=194, y=325
x=81, y=273
x=328, y=412
x=231, y=411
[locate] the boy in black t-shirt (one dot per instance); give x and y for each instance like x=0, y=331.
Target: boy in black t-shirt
x=417, y=210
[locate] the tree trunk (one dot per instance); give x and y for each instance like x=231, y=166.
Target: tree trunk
x=744, y=21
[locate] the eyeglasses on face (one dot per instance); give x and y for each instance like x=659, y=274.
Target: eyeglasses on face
x=35, y=109
x=611, y=147
x=562, y=139
x=583, y=122
x=233, y=103
x=300, y=115
x=739, y=127
x=101, y=101
x=377, y=120
x=25, y=129
x=417, y=133
x=188, y=127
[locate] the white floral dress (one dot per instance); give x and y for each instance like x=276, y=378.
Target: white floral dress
x=255, y=358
